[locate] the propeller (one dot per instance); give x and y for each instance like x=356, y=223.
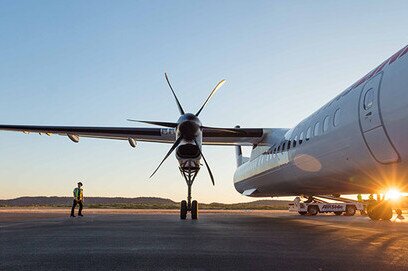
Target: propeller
x=158, y=123
x=175, y=145
x=174, y=125
x=175, y=96
x=188, y=126
x=211, y=94
x=206, y=164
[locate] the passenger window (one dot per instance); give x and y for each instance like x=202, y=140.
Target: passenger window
x=283, y=147
x=278, y=149
x=289, y=144
x=273, y=149
x=301, y=138
x=317, y=129
x=308, y=133
x=294, y=142
x=336, y=118
x=369, y=99
x=326, y=124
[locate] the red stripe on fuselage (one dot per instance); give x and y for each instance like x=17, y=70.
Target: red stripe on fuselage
x=377, y=70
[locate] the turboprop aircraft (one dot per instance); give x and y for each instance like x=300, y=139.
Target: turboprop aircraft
x=356, y=143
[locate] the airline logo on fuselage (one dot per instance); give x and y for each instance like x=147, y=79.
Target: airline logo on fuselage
x=168, y=131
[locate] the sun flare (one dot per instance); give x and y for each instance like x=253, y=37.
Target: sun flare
x=393, y=194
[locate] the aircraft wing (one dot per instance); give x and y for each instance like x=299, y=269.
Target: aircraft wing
x=211, y=136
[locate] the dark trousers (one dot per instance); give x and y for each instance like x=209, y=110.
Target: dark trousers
x=74, y=204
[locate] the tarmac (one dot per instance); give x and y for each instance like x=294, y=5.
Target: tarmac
x=45, y=239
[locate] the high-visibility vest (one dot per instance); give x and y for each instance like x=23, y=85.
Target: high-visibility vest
x=78, y=193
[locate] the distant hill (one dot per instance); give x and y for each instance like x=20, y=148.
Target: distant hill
x=138, y=203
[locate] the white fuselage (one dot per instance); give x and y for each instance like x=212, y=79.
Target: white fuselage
x=356, y=143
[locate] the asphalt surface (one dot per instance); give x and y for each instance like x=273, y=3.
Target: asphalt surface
x=217, y=241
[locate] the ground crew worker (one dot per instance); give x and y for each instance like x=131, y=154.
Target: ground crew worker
x=371, y=203
x=296, y=201
x=360, y=199
x=78, y=199
x=399, y=214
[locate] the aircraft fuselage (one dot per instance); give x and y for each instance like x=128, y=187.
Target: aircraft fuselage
x=356, y=143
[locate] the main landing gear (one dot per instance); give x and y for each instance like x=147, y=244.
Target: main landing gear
x=189, y=174
x=377, y=210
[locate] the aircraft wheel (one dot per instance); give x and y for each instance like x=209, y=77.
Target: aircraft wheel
x=350, y=210
x=194, y=210
x=386, y=213
x=183, y=209
x=312, y=210
x=373, y=211
x=302, y=213
x=382, y=210
x=338, y=213
x=374, y=215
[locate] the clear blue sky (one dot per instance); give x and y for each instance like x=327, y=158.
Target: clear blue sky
x=100, y=62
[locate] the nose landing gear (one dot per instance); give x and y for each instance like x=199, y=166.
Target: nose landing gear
x=189, y=174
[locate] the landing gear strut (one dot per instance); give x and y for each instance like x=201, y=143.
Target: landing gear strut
x=189, y=174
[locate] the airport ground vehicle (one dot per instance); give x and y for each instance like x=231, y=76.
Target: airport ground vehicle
x=317, y=205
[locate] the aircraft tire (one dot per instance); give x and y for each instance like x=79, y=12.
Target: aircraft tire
x=194, y=210
x=350, y=210
x=338, y=213
x=302, y=213
x=374, y=215
x=381, y=210
x=386, y=213
x=183, y=209
x=373, y=211
x=312, y=210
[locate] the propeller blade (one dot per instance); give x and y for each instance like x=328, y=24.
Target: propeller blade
x=211, y=94
x=206, y=164
x=168, y=154
x=159, y=123
x=174, y=94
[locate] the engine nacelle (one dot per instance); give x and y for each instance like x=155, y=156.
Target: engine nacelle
x=188, y=151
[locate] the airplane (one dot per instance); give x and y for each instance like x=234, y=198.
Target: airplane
x=356, y=143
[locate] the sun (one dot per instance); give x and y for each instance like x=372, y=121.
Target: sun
x=393, y=194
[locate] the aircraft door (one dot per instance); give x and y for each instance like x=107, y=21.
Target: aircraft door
x=372, y=128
